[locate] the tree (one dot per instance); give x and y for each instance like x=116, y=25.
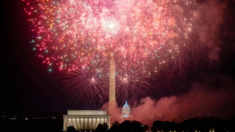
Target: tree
x=102, y=128
x=114, y=127
x=71, y=129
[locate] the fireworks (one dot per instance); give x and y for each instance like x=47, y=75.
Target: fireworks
x=132, y=80
x=141, y=34
x=88, y=84
x=92, y=82
x=71, y=32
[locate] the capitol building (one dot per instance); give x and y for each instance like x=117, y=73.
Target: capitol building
x=126, y=112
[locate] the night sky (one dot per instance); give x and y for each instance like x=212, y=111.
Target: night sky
x=27, y=87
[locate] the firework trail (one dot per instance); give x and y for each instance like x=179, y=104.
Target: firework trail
x=88, y=84
x=132, y=80
x=91, y=83
x=141, y=34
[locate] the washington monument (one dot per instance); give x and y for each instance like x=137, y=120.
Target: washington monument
x=112, y=93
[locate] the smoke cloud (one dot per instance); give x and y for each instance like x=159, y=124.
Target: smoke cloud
x=200, y=101
x=211, y=16
x=203, y=100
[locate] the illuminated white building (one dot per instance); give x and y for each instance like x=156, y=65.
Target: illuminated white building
x=126, y=110
x=112, y=89
x=86, y=120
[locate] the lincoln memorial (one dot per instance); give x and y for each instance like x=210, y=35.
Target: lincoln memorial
x=86, y=120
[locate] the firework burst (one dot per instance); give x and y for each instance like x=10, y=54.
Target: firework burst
x=141, y=34
x=70, y=32
x=87, y=84
x=132, y=80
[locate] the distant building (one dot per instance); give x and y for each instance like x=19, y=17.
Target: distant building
x=47, y=116
x=9, y=116
x=126, y=112
x=4, y=116
x=86, y=120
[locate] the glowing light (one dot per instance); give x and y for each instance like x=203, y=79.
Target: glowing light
x=124, y=80
x=111, y=25
x=92, y=79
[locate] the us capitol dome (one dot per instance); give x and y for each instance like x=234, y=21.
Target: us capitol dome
x=126, y=110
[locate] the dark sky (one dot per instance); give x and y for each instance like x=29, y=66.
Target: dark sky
x=28, y=88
